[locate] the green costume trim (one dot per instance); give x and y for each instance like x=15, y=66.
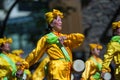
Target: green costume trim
x=65, y=53
x=10, y=62
x=116, y=39
x=5, y=78
x=53, y=39
x=26, y=71
x=97, y=74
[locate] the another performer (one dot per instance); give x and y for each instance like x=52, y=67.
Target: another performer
x=113, y=52
x=26, y=72
x=58, y=46
x=8, y=61
x=93, y=65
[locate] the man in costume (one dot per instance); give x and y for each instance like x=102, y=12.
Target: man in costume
x=58, y=46
x=113, y=52
x=26, y=72
x=93, y=65
x=8, y=61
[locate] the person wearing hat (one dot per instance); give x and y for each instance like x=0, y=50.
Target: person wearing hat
x=93, y=65
x=5, y=69
x=8, y=67
x=113, y=52
x=26, y=72
x=58, y=46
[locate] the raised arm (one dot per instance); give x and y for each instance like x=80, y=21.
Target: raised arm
x=37, y=53
x=74, y=40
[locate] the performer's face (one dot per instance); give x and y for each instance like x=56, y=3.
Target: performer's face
x=96, y=51
x=6, y=47
x=118, y=31
x=57, y=24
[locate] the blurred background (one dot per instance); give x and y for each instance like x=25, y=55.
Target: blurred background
x=24, y=22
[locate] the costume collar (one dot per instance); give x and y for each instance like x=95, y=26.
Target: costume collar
x=57, y=33
x=115, y=39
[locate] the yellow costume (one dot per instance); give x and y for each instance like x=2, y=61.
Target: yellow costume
x=59, y=65
x=93, y=66
x=18, y=52
x=21, y=67
x=5, y=67
x=91, y=69
x=113, y=53
x=41, y=72
x=15, y=59
x=8, y=62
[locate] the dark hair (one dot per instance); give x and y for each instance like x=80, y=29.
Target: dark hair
x=115, y=31
x=48, y=29
x=1, y=47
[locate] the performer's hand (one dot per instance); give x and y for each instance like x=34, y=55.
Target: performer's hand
x=18, y=63
x=62, y=38
x=19, y=73
x=102, y=74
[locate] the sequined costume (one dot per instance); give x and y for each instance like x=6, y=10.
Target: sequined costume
x=41, y=72
x=22, y=65
x=113, y=53
x=91, y=69
x=58, y=66
x=58, y=46
x=93, y=66
x=5, y=67
x=8, y=61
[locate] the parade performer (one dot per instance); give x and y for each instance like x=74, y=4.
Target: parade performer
x=8, y=61
x=93, y=65
x=113, y=52
x=58, y=46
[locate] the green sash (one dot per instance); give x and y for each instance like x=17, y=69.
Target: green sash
x=53, y=39
x=10, y=62
x=116, y=39
x=5, y=78
x=97, y=74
